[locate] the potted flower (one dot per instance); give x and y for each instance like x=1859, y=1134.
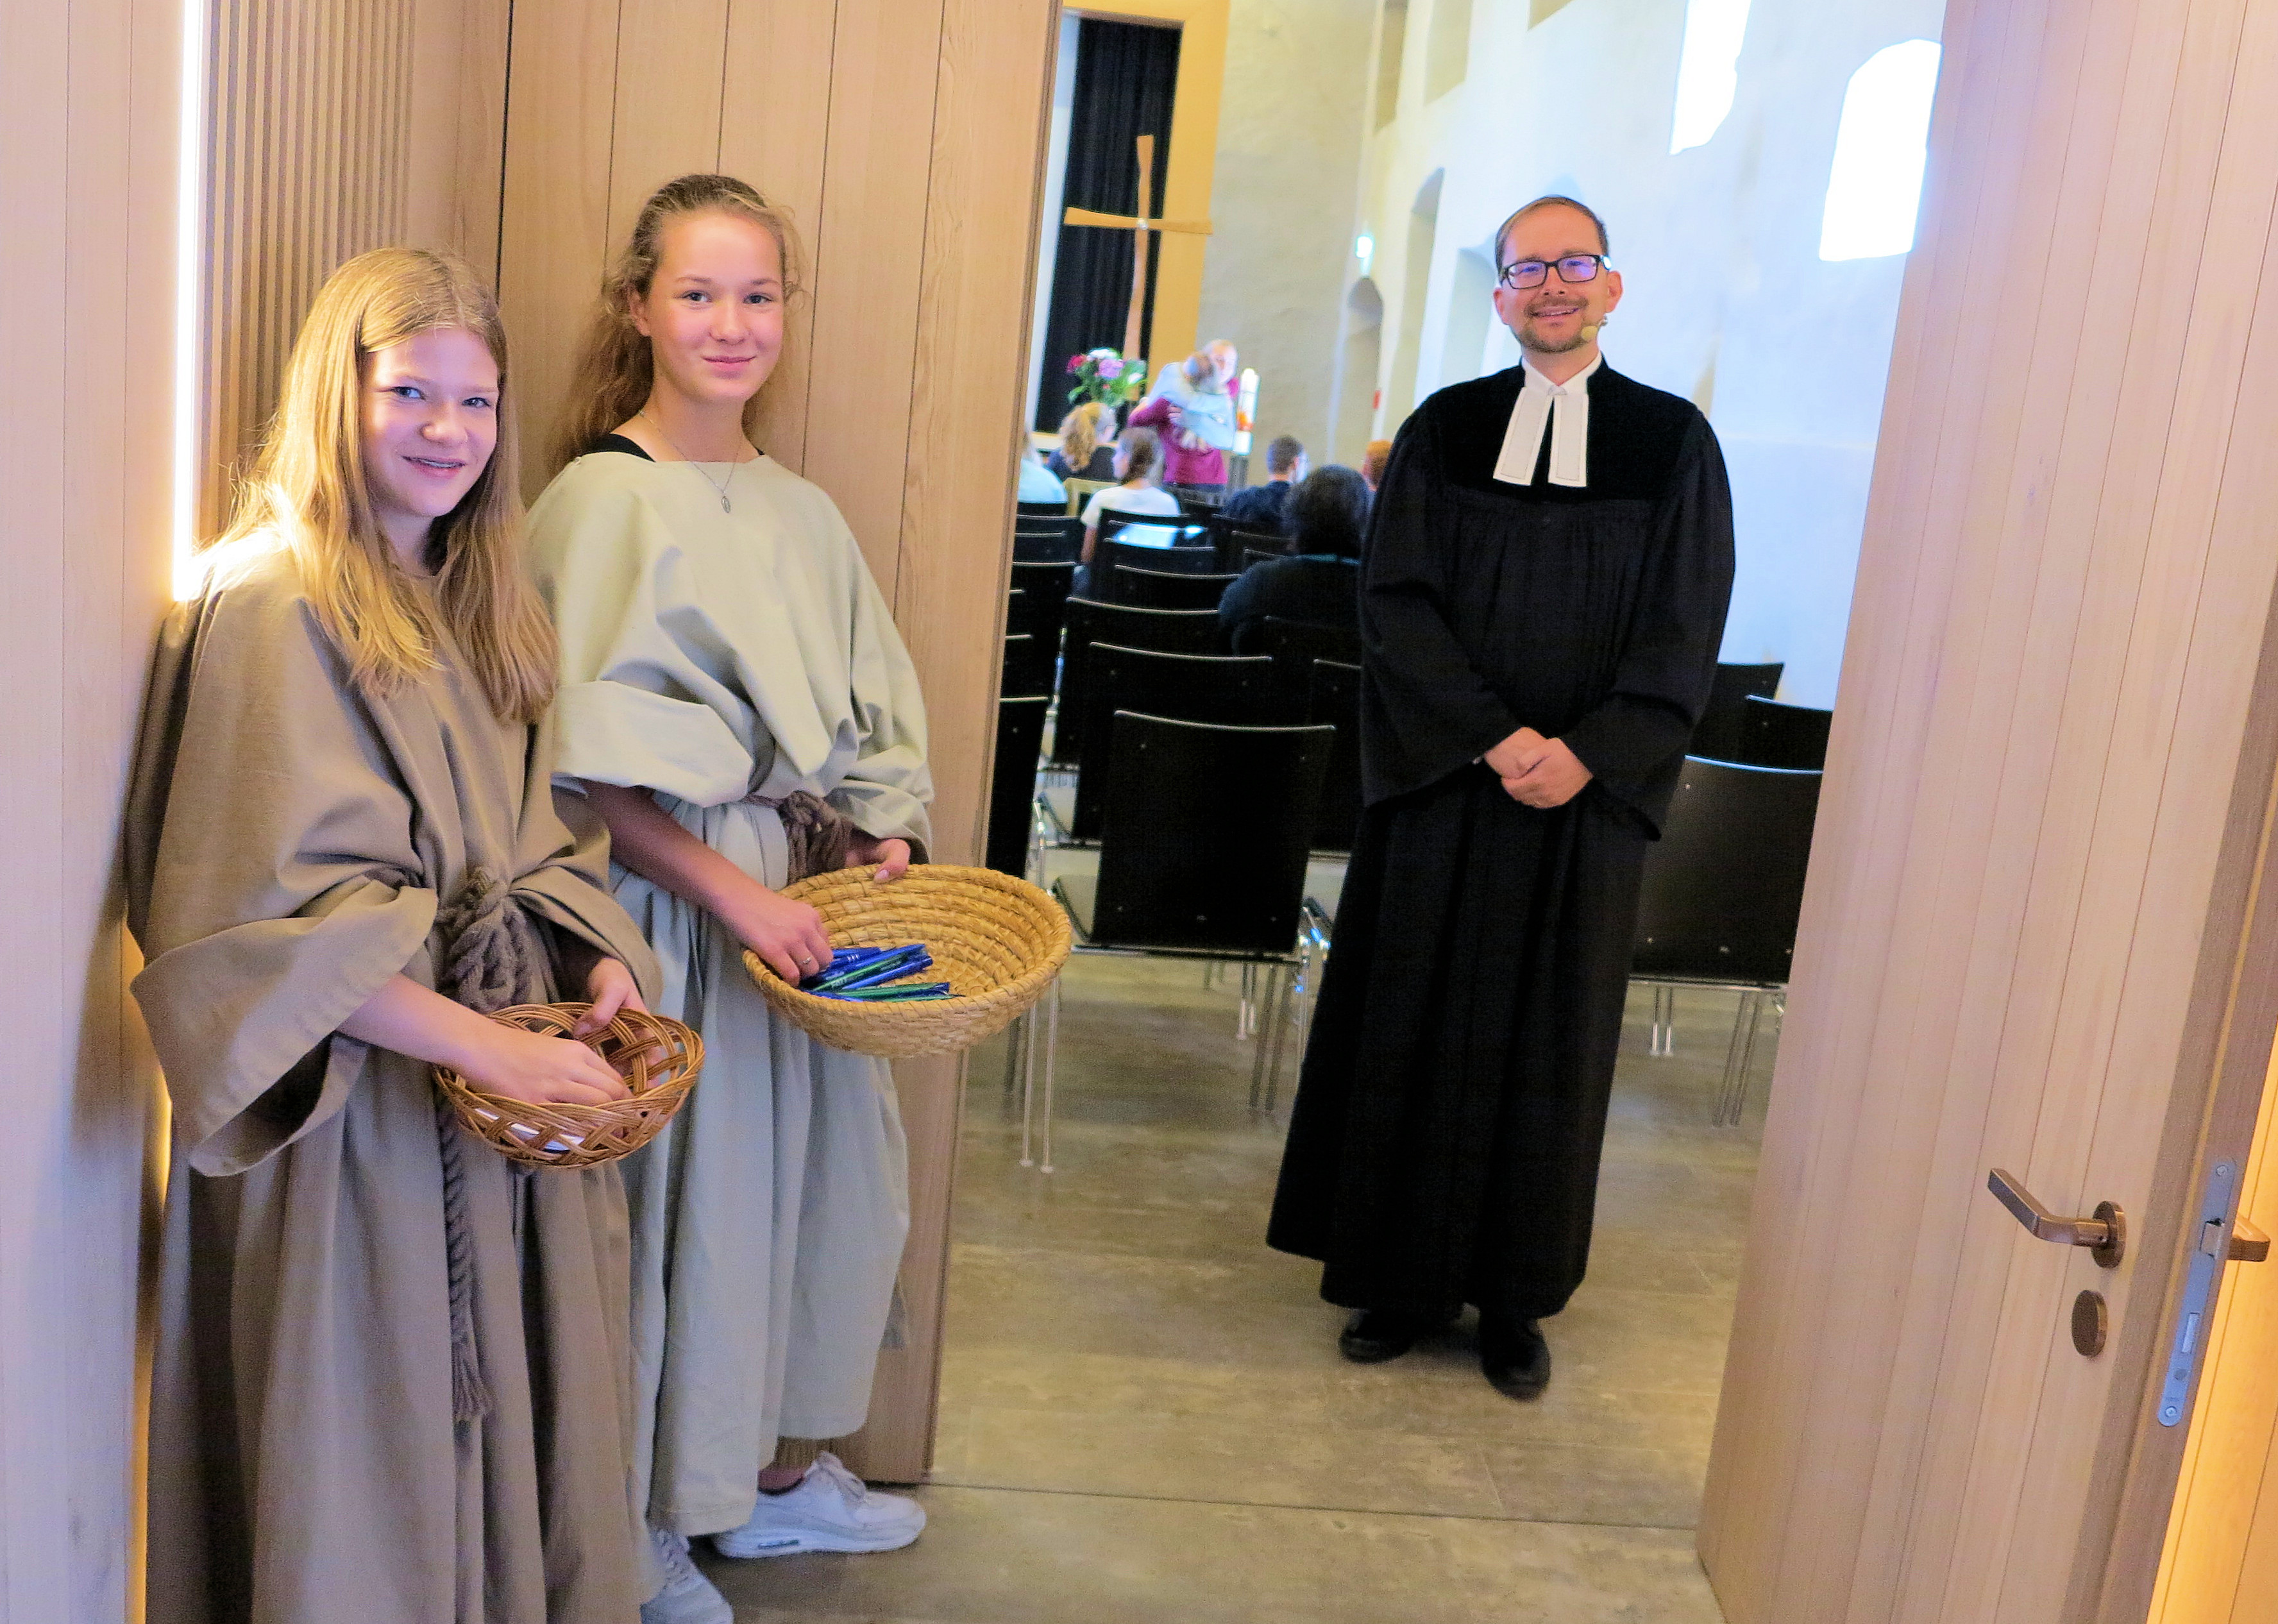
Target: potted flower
x=1104, y=376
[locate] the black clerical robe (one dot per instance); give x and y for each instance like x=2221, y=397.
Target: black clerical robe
x=1443, y=1148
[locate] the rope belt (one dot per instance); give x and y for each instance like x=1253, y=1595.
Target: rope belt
x=494, y=958
x=819, y=834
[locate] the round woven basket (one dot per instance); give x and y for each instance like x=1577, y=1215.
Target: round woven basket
x=657, y=1056
x=997, y=940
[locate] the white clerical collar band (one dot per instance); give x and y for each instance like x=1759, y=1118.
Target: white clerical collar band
x=1563, y=410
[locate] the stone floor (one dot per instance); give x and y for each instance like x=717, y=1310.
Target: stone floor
x=1144, y=1417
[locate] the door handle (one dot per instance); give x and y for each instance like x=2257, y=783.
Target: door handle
x=2105, y=1235
x=2248, y=1244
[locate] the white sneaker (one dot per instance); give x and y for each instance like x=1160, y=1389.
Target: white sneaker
x=830, y=1510
x=688, y=1596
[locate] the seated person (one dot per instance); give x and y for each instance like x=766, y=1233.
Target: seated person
x=1373, y=456
x=1265, y=508
x=1086, y=450
x=1138, y=465
x=1037, y=483
x=1319, y=584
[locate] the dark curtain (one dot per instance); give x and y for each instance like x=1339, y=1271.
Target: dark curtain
x=1125, y=75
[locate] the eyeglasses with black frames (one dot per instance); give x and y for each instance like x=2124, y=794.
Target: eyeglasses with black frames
x=1524, y=274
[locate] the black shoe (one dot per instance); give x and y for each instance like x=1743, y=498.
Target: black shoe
x=1514, y=1357
x=1374, y=1334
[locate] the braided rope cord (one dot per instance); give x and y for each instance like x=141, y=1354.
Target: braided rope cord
x=495, y=958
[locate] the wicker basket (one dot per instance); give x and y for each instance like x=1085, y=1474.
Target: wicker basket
x=997, y=940
x=658, y=1058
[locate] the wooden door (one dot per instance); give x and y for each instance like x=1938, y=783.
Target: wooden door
x=2033, y=936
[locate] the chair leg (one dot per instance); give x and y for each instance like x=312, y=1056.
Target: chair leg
x=1028, y=1089
x=1284, y=1011
x=1015, y=1037
x=1748, y=1059
x=1735, y=1084
x=1052, y=1063
x=1245, y=1019
x=1664, y=1041
x=1258, y=1060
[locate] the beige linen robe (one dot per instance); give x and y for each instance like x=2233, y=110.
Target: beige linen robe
x=289, y=842
x=713, y=656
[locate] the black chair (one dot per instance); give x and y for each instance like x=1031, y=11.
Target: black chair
x=1171, y=882
x=1217, y=688
x=1335, y=701
x=1200, y=508
x=1165, y=560
x=1040, y=607
x=1160, y=589
x=1293, y=646
x=1777, y=735
x=1088, y=621
x=1717, y=739
x=1012, y=786
x=1723, y=889
x=1054, y=541
x=1181, y=533
x=1028, y=669
x=1041, y=510
x=1251, y=557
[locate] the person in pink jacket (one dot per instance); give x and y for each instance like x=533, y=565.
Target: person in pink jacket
x=1192, y=406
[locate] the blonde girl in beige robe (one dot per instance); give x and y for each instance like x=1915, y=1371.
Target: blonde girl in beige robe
x=731, y=674
x=392, y=1380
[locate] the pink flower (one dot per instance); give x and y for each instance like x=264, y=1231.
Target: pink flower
x=1111, y=370
x=1075, y=364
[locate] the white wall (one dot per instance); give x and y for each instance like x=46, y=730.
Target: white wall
x=1727, y=300
x=1282, y=200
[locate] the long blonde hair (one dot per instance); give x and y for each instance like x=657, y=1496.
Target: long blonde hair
x=616, y=369
x=310, y=490
x=1080, y=437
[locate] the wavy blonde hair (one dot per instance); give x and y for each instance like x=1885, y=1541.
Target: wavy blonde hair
x=310, y=490
x=617, y=368
x=1080, y=436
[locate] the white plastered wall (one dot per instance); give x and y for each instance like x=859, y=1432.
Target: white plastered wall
x=1727, y=300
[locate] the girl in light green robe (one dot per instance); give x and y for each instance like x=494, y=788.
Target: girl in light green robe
x=734, y=697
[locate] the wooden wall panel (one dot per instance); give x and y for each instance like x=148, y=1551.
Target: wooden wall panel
x=667, y=104
x=775, y=119
x=885, y=55
x=2046, y=793
x=966, y=397
x=88, y=167
x=457, y=137
x=554, y=232
x=903, y=138
x=309, y=163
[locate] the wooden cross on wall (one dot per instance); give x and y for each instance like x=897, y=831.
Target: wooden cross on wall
x=1139, y=225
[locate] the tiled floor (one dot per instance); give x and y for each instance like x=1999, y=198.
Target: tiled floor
x=1144, y=1417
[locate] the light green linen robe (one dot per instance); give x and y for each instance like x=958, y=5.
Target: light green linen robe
x=289, y=842
x=717, y=657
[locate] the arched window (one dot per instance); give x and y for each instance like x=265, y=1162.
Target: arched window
x=1873, y=189
x=1708, y=71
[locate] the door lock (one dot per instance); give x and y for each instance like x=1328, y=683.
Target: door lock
x=2105, y=1234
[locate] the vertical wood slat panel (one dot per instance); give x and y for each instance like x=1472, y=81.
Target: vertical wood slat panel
x=310, y=165
x=88, y=134
x=554, y=213
x=774, y=118
x=666, y=108
x=884, y=59
x=966, y=395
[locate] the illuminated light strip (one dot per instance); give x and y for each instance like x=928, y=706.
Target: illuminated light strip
x=189, y=286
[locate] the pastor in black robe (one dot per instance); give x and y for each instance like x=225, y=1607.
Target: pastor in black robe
x=1443, y=1147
